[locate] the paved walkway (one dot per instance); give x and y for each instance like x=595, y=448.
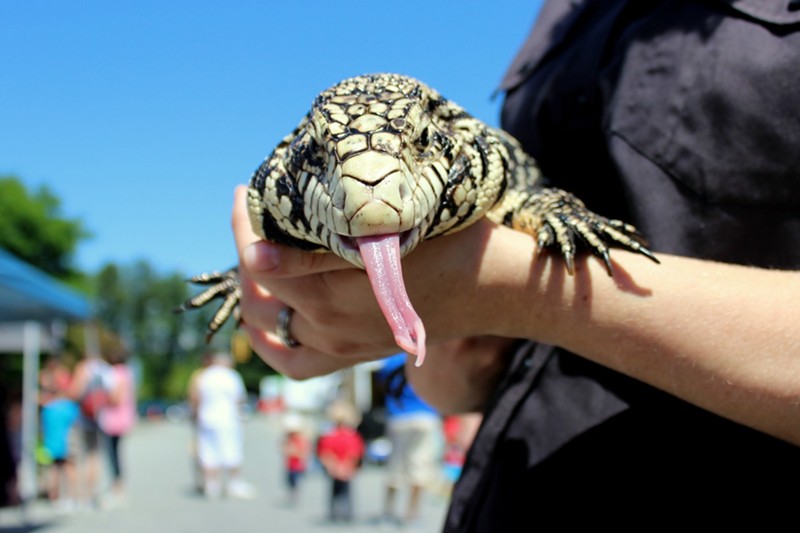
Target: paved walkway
x=161, y=499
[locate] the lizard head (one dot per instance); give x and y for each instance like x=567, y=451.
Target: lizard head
x=372, y=157
x=367, y=176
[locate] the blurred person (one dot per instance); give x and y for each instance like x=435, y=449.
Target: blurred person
x=296, y=449
x=118, y=417
x=55, y=379
x=91, y=382
x=194, y=378
x=414, y=429
x=59, y=415
x=217, y=398
x=340, y=451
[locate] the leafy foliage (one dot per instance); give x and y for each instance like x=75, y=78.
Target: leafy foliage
x=33, y=229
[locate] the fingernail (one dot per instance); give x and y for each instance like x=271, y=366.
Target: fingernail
x=260, y=256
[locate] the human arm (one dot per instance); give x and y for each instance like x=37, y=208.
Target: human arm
x=722, y=337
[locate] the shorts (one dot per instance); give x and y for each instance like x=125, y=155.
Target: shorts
x=219, y=447
x=415, y=451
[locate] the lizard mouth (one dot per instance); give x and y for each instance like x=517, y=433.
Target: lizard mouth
x=408, y=240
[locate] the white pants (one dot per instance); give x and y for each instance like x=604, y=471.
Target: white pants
x=219, y=447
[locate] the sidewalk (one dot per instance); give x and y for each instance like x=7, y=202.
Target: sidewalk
x=161, y=499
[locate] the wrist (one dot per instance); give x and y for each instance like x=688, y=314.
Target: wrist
x=544, y=302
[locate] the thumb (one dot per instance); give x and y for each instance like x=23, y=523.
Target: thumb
x=284, y=262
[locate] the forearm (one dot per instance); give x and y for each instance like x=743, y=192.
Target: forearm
x=722, y=337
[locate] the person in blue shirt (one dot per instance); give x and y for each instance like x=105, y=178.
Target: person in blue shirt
x=414, y=429
x=58, y=417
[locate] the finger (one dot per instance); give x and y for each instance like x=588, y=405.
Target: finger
x=260, y=310
x=297, y=363
x=284, y=262
x=257, y=305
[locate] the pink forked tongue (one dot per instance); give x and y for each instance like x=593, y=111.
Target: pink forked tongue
x=381, y=256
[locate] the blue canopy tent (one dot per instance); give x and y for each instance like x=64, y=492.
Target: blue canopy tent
x=29, y=300
x=29, y=294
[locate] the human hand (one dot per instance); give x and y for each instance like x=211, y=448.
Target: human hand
x=260, y=307
x=337, y=319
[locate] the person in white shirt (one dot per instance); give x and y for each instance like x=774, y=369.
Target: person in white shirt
x=216, y=397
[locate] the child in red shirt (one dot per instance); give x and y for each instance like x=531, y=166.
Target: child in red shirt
x=340, y=451
x=296, y=449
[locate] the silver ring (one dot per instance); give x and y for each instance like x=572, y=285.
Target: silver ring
x=282, y=329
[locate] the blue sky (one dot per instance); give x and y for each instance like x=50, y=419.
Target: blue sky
x=142, y=116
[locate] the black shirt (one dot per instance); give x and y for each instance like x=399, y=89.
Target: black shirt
x=683, y=118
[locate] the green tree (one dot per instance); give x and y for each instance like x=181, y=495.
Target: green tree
x=33, y=229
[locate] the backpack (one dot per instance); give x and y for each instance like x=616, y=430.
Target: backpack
x=93, y=402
